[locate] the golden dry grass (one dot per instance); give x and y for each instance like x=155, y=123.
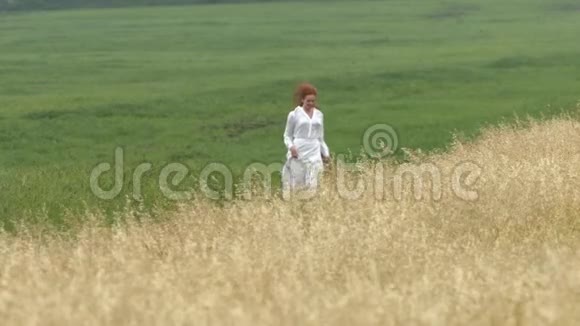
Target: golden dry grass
x=511, y=257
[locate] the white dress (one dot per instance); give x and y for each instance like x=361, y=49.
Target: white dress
x=307, y=134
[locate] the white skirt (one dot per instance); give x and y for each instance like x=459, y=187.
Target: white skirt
x=303, y=172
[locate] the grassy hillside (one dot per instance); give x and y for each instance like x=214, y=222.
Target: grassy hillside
x=200, y=84
x=21, y=5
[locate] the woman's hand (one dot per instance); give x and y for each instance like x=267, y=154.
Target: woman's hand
x=294, y=152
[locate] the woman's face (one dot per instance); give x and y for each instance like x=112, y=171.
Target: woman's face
x=309, y=101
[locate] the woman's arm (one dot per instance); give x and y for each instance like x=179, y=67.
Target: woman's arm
x=289, y=131
x=324, y=150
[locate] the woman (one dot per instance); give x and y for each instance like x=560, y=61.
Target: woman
x=304, y=139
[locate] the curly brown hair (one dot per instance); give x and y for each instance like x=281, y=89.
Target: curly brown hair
x=303, y=90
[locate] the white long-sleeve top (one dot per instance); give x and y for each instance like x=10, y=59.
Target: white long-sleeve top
x=307, y=134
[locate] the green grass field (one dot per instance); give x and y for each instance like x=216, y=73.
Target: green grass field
x=213, y=83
